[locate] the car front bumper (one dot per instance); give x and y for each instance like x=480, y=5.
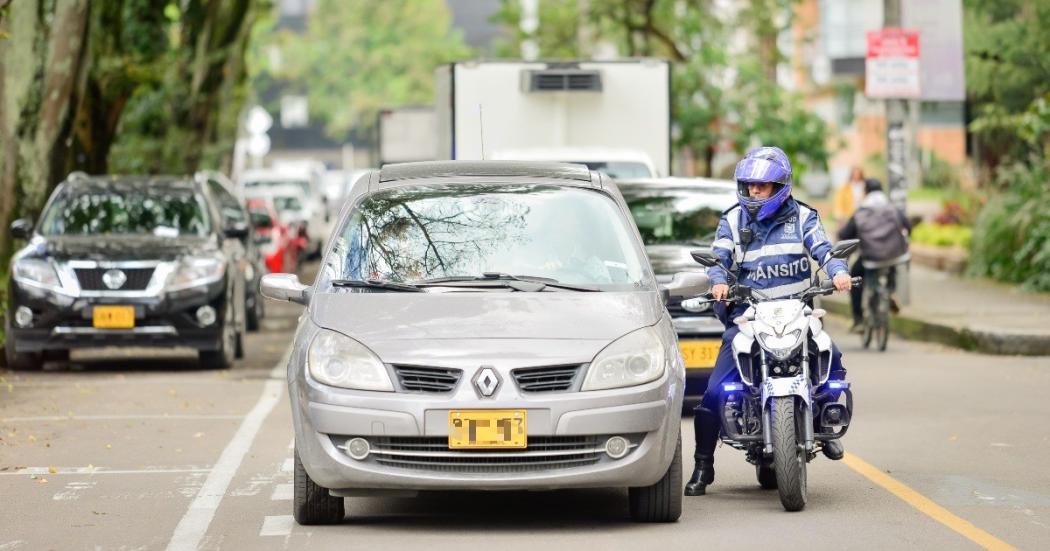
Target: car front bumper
x=566, y=433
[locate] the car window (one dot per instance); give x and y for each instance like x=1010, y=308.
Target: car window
x=278, y=182
x=287, y=203
x=572, y=235
x=676, y=216
x=229, y=207
x=620, y=170
x=145, y=210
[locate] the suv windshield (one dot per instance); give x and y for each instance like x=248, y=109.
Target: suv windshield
x=160, y=210
x=574, y=236
x=686, y=215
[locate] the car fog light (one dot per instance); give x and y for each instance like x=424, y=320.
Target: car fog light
x=358, y=448
x=205, y=315
x=23, y=317
x=616, y=447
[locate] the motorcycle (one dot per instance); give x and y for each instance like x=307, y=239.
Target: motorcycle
x=783, y=408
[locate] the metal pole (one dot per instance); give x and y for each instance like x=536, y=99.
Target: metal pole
x=900, y=144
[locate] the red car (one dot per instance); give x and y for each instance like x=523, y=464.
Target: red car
x=279, y=244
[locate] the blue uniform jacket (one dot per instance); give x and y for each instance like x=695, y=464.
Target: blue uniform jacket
x=780, y=258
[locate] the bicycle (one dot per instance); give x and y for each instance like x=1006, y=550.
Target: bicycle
x=876, y=307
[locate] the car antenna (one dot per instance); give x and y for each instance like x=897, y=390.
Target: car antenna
x=481, y=130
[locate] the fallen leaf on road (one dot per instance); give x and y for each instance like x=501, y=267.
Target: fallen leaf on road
x=109, y=446
x=52, y=470
x=98, y=512
x=953, y=438
x=42, y=480
x=32, y=438
x=172, y=392
x=198, y=435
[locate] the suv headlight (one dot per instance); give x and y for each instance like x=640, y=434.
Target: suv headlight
x=36, y=271
x=633, y=359
x=192, y=271
x=781, y=347
x=337, y=360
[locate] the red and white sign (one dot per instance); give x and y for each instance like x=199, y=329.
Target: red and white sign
x=892, y=64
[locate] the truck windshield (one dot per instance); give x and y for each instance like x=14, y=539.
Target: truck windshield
x=163, y=211
x=414, y=234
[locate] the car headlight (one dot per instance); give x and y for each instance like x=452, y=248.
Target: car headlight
x=193, y=271
x=634, y=359
x=337, y=360
x=780, y=347
x=36, y=271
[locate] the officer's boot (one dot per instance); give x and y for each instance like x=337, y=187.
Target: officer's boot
x=705, y=425
x=833, y=450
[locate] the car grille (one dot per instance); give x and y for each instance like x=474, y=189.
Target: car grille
x=547, y=378
x=91, y=279
x=543, y=453
x=427, y=379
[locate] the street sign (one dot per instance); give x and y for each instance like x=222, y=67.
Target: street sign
x=258, y=121
x=892, y=64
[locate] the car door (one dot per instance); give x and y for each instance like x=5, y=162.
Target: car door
x=233, y=215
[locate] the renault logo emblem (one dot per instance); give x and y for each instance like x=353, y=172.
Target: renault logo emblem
x=486, y=381
x=114, y=279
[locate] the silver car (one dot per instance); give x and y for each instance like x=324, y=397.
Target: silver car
x=485, y=326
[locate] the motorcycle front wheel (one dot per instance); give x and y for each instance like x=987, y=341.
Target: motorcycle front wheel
x=789, y=454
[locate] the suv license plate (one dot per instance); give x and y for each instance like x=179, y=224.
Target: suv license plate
x=487, y=428
x=113, y=317
x=700, y=354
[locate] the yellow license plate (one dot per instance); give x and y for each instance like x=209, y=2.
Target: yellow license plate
x=487, y=428
x=113, y=317
x=699, y=354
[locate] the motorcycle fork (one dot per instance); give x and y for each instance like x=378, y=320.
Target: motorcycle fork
x=807, y=409
x=767, y=413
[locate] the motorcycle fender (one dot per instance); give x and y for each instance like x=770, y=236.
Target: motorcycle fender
x=785, y=386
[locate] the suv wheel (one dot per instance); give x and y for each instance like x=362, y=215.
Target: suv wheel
x=223, y=357
x=661, y=502
x=312, y=504
x=20, y=361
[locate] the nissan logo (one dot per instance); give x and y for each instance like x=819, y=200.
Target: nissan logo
x=114, y=279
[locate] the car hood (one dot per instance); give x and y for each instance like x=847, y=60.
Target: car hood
x=123, y=247
x=516, y=327
x=666, y=260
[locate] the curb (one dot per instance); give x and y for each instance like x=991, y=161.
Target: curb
x=986, y=342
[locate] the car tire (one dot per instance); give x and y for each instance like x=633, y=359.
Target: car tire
x=223, y=357
x=312, y=504
x=255, y=314
x=661, y=502
x=20, y=361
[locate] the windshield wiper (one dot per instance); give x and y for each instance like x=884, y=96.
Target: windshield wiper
x=377, y=284
x=497, y=277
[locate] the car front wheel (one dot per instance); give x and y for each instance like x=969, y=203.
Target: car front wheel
x=312, y=504
x=661, y=502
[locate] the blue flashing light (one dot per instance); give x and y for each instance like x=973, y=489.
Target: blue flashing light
x=838, y=385
x=733, y=387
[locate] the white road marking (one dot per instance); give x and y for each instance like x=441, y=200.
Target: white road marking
x=281, y=492
x=286, y=467
x=280, y=525
x=72, y=491
x=13, y=545
x=115, y=418
x=198, y=517
x=100, y=470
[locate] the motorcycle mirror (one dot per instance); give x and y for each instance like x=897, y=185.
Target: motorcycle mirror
x=687, y=284
x=844, y=248
x=705, y=257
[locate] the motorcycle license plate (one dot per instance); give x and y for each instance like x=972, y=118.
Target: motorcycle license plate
x=113, y=317
x=487, y=428
x=699, y=354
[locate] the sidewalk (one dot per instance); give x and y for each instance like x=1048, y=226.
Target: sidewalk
x=973, y=314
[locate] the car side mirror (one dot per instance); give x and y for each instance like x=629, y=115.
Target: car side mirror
x=236, y=230
x=261, y=221
x=22, y=228
x=686, y=284
x=844, y=248
x=705, y=257
x=285, y=288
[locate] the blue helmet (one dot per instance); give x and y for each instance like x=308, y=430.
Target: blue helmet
x=763, y=164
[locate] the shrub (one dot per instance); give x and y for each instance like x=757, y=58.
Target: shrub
x=942, y=235
x=1011, y=238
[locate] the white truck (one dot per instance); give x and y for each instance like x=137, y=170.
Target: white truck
x=407, y=134
x=614, y=116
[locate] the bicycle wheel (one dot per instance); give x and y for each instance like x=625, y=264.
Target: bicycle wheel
x=869, y=321
x=882, y=325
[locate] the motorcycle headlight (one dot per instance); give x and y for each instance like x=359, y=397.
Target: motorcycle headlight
x=634, y=359
x=780, y=347
x=337, y=360
x=36, y=271
x=193, y=271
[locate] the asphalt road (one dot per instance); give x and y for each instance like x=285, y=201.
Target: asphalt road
x=948, y=450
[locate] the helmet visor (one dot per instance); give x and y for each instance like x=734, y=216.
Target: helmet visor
x=761, y=170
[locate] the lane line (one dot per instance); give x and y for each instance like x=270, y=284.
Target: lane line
x=279, y=525
x=198, y=517
x=46, y=471
x=925, y=505
x=116, y=417
x=287, y=466
x=281, y=492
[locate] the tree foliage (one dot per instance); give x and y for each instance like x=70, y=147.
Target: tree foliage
x=357, y=58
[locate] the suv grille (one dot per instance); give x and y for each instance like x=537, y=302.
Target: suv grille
x=546, y=379
x=427, y=379
x=432, y=454
x=91, y=279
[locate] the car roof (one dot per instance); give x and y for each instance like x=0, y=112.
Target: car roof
x=572, y=174
x=83, y=182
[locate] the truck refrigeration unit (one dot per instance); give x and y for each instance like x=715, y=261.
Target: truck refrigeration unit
x=614, y=116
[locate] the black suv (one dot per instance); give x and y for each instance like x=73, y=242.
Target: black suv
x=130, y=261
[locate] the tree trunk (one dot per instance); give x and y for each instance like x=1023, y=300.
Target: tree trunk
x=40, y=68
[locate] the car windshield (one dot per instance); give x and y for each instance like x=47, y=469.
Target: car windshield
x=415, y=234
x=278, y=182
x=683, y=215
x=163, y=211
x=287, y=203
x=619, y=169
